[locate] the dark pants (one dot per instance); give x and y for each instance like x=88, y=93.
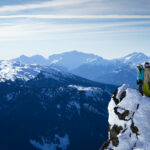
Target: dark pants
x=141, y=88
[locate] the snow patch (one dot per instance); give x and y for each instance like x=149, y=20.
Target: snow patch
x=128, y=58
x=10, y=70
x=75, y=104
x=89, y=60
x=89, y=91
x=93, y=109
x=9, y=97
x=56, y=60
x=58, y=143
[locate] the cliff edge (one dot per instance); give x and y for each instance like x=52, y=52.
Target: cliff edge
x=129, y=121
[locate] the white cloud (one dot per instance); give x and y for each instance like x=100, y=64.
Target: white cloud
x=82, y=7
x=53, y=3
x=47, y=30
x=77, y=16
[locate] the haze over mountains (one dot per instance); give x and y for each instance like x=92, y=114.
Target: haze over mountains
x=93, y=67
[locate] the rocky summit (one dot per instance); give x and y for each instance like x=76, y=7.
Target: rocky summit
x=128, y=121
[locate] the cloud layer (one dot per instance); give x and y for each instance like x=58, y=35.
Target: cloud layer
x=88, y=15
x=76, y=21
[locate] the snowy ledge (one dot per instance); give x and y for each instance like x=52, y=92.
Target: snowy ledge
x=129, y=120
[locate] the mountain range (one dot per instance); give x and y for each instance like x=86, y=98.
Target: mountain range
x=93, y=67
x=45, y=105
x=44, y=108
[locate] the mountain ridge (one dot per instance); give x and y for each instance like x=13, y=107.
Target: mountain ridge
x=50, y=109
x=94, y=67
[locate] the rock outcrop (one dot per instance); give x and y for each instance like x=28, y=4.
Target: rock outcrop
x=129, y=121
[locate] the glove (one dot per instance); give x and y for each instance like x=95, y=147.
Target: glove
x=137, y=82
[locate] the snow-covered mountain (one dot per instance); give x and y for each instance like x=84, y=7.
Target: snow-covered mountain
x=73, y=59
x=11, y=70
x=112, y=73
x=135, y=58
x=45, y=108
x=116, y=71
x=93, y=67
x=129, y=121
x=36, y=59
x=69, y=60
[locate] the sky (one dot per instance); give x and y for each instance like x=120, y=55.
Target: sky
x=109, y=28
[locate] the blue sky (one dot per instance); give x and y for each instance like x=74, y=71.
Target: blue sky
x=109, y=28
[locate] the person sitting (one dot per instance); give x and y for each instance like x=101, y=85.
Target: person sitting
x=146, y=83
x=140, y=78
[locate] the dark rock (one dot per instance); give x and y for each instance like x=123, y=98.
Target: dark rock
x=134, y=129
x=116, y=92
x=105, y=145
x=115, y=131
x=113, y=134
x=115, y=141
x=124, y=130
x=123, y=115
x=137, y=106
x=114, y=97
x=123, y=95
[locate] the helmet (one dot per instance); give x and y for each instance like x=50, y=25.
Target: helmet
x=147, y=64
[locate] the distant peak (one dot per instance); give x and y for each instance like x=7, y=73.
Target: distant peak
x=37, y=55
x=74, y=52
x=136, y=54
x=23, y=56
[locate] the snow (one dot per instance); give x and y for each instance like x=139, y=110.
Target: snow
x=93, y=109
x=89, y=60
x=56, y=60
x=9, y=97
x=76, y=105
x=10, y=70
x=56, y=74
x=59, y=143
x=58, y=106
x=140, y=116
x=80, y=88
x=121, y=89
x=89, y=91
x=128, y=58
x=116, y=71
